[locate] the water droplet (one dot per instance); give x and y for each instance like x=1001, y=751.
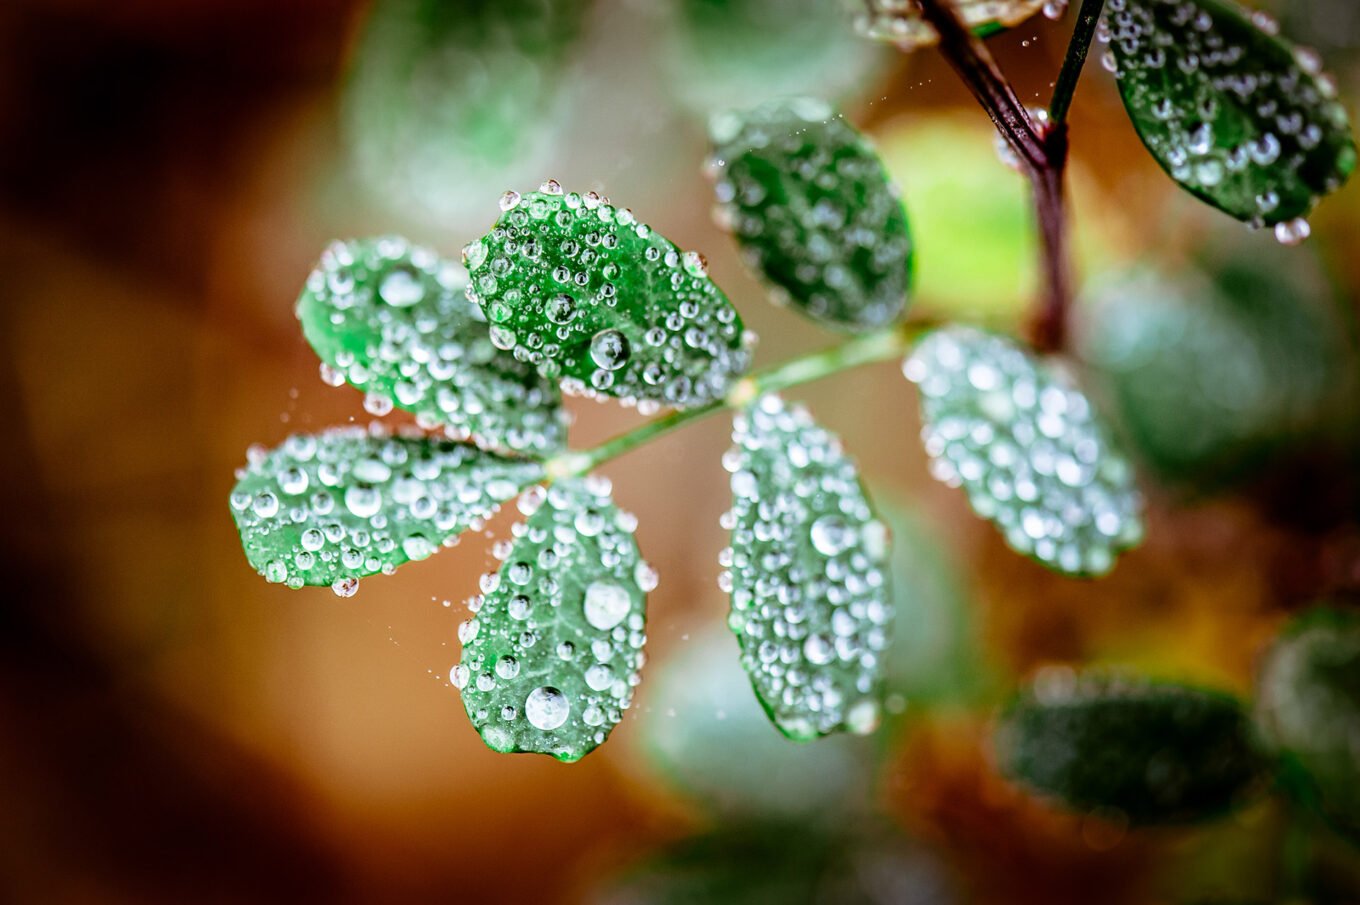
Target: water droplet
x=609, y=350
x=546, y=708
x=606, y=604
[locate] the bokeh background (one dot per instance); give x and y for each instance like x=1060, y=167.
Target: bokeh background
x=173, y=729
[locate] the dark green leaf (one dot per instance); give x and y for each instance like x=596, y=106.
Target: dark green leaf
x=1212, y=384
x=552, y=652
x=807, y=574
x=1308, y=709
x=810, y=203
x=1156, y=752
x=1027, y=447
x=1239, y=117
x=329, y=508
x=394, y=320
x=901, y=21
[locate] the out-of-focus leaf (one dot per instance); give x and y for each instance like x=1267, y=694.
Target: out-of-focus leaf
x=394, y=320
x=552, y=652
x=901, y=21
x=1237, y=116
x=738, y=53
x=444, y=97
x=788, y=863
x=1308, y=709
x=705, y=733
x=1212, y=380
x=1027, y=447
x=329, y=508
x=582, y=290
x=1155, y=752
x=808, y=199
x=807, y=571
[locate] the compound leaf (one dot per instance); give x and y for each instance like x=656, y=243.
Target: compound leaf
x=329, y=508
x=553, y=650
x=1027, y=447
x=902, y=23
x=586, y=293
x=807, y=571
x=1308, y=709
x=1237, y=116
x=394, y=320
x=812, y=206
x=1156, y=752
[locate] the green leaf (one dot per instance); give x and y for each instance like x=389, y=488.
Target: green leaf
x=588, y=294
x=728, y=53
x=394, y=320
x=1214, y=381
x=552, y=652
x=1157, y=752
x=787, y=862
x=1308, y=710
x=810, y=203
x=901, y=21
x=436, y=102
x=706, y=735
x=329, y=508
x=1237, y=116
x=807, y=571
x=1027, y=447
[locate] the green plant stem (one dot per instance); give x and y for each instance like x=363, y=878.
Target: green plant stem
x=1074, y=61
x=882, y=345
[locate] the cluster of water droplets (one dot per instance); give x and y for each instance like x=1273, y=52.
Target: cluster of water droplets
x=1027, y=447
x=553, y=648
x=326, y=509
x=586, y=293
x=814, y=211
x=1232, y=112
x=394, y=319
x=807, y=573
x=902, y=23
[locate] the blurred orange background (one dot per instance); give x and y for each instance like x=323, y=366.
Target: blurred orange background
x=173, y=729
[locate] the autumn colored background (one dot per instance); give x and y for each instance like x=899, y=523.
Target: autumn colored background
x=174, y=729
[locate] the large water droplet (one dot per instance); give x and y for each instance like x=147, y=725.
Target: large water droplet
x=546, y=708
x=609, y=350
x=606, y=605
x=401, y=288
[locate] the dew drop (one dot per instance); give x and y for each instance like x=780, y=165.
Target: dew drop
x=546, y=708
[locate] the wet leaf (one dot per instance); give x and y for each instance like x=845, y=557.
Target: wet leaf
x=1308, y=708
x=552, y=652
x=588, y=294
x=1237, y=116
x=807, y=571
x=329, y=508
x=809, y=201
x=394, y=320
x=1154, y=752
x=1026, y=446
x=901, y=21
